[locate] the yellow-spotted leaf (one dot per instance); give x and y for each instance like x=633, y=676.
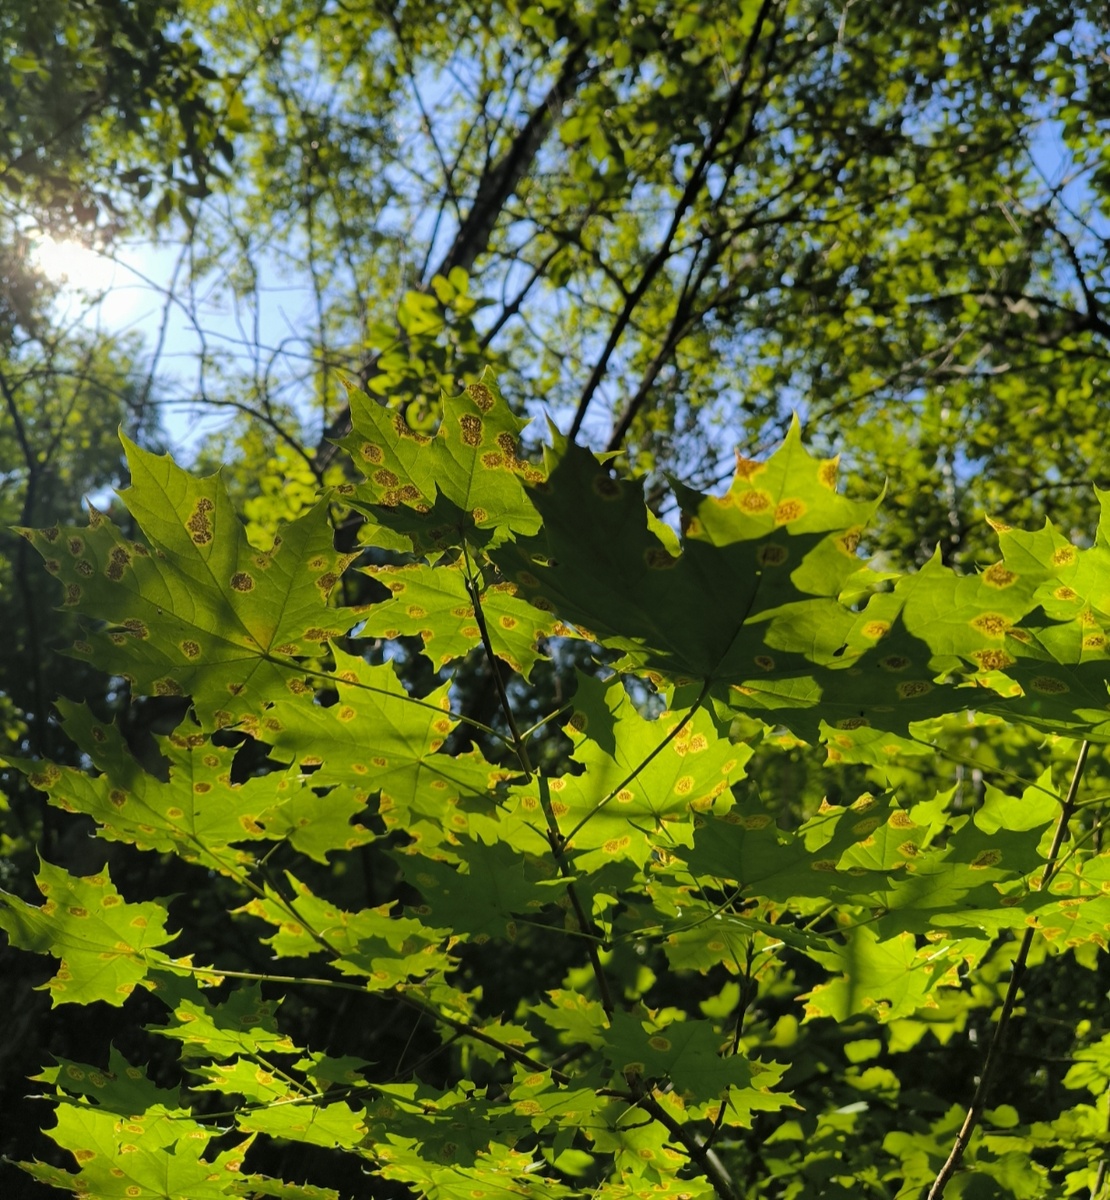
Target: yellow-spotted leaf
x=197, y=610
x=106, y=945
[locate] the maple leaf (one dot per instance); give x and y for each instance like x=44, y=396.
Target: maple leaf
x=106, y=945
x=198, y=610
x=463, y=484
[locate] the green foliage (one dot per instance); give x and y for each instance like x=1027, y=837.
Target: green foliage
x=651, y=965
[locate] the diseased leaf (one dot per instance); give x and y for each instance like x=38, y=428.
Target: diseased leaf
x=106, y=945
x=463, y=484
x=435, y=603
x=197, y=611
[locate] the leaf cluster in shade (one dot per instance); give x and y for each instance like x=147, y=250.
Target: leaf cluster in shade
x=644, y=857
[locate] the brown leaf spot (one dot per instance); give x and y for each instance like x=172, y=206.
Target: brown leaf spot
x=76, y=545
x=481, y=395
x=992, y=624
x=492, y=460
x=913, y=688
x=167, y=687
x=118, y=562
x=190, y=648
x=999, y=576
x=765, y=662
x=848, y=542
x=606, y=487
x=895, y=662
x=658, y=559
x=241, y=581
x=1047, y=686
x=992, y=660
x=471, y=429
x=385, y=478
x=136, y=628
x=370, y=452
x=772, y=555
x=984, y=859
x=198, y=524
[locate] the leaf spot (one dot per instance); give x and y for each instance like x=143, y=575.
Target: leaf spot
x=471, y=429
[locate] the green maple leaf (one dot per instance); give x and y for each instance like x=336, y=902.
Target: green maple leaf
x=153, y=1155
x=463, y=484
x=685, y=1052
x=435, y=603
x=494, y=884
x=120, y=1088
x=885, y=979
x=603, y=563
x=614, y=811
x=105, y=944
x=198, y=610
x=329, y=1125
x=197, y=812
x=244, y=1023
x=278, y=1189
x=383, y=948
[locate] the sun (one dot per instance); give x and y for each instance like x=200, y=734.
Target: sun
x=68, y=262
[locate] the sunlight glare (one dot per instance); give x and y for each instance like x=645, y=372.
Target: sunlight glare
x=69, y=262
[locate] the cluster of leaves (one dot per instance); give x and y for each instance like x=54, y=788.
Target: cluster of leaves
x=686, y=930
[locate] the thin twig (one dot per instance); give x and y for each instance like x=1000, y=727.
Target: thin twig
x=994, y=1052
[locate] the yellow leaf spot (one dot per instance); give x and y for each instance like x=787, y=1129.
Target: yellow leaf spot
x=748, y=468
x=1064, y=556
x=754, y=501
x=659, y=1043
x=789, y=510
x=1065, y=593
x=826, y=473
x=876, y=629
x=999, y=576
